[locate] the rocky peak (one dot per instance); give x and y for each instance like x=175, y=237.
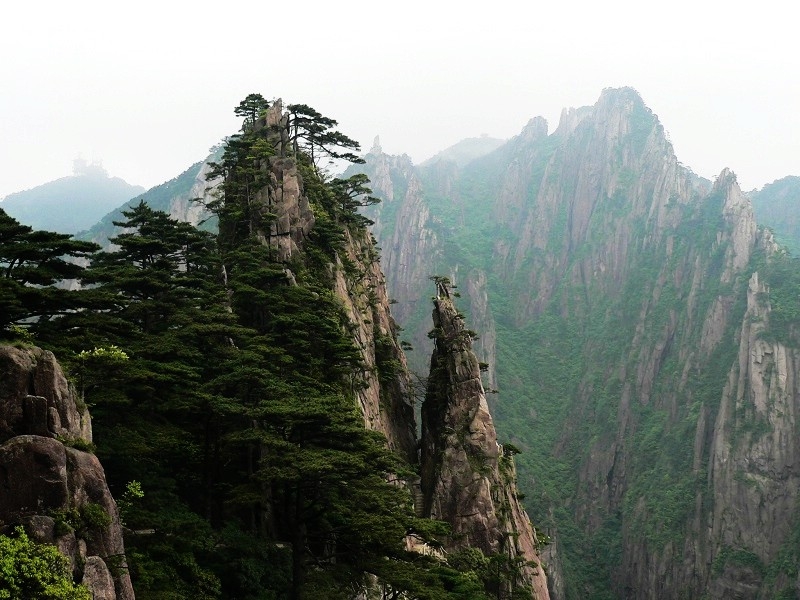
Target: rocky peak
x=626, y=97
x=570, y=119
x=57, y=491
x=737, y=212
x=376, y=146
x=536, y=129
x=467, y=478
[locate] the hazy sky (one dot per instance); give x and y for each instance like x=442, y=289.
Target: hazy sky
x=148, y=87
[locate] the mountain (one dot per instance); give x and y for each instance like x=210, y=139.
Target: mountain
x=464, y=151
x=70, y=204
x=777, y=206
x=251, y=386
x=642, y=336
x=182, y=198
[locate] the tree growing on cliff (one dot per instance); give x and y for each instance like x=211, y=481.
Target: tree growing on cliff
x=250, y=109
x=31, y=263
x=314, y=134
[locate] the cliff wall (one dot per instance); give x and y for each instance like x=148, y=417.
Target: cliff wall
x=468, y=479
x=624, y=297
x=57, y=491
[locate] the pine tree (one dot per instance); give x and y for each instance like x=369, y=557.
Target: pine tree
x=31, y=263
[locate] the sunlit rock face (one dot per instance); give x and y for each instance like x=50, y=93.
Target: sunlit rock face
x=42, y=477
x=467, y=479
x=623, y=308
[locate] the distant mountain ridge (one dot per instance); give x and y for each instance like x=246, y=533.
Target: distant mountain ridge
x=466, y=150
x=180, y=197
x=70, y=204
x=777, y=206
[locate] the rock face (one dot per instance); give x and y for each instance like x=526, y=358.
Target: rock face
x=625, y=299
x=479, y=501
x=467, y=479
x=384, y=395
x=754, y=467
x=385, y=398
x=57, y=492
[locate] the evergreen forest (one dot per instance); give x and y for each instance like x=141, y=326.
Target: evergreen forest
x=221, y=375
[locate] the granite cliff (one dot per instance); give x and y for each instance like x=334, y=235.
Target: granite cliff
x=468, y=479
x=624, y=298
x=49, y=483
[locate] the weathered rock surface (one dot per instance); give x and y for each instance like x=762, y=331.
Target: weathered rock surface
x=755, y=454
x=385, y=396
x=48, y=486
x=35, y=397
x=595, y=255
x=383, y=389
x=467, y=479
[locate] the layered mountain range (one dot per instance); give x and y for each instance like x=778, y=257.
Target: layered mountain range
x=70, y=204
x=635, y=337
x=626, y=311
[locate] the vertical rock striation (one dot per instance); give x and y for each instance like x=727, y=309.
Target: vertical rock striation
x=630, y=314
x=467, y=479
x=753, y=469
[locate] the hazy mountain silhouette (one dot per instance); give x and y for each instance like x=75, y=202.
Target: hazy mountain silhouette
x=70, y=204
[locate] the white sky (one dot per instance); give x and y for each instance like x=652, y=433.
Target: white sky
x=149, y=87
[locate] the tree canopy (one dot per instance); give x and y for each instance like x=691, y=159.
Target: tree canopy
x=31, y=571
x=222, y=381
x=31, y=263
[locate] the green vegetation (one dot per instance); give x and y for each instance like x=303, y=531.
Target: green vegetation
x=31, y=571
x=221, y=372
x=158, y=198
x=603, y=370
x=85, y=521
x=776, y=207
x=30, y=263
x=70, y=204
x=782, y=274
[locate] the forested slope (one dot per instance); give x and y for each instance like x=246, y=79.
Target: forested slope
x=248, y=386
x=637, y=326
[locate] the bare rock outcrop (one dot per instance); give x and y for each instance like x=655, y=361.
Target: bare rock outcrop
x=57, y=492
x=467, y=478
x=755, y=458
x=385, y=393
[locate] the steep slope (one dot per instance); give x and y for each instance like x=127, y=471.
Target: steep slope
x=70, y=204
x=613, y=283
x=777, y=206
x=468, y=479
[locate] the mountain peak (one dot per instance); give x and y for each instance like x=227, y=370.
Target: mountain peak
x=468, y=150
x=70, y=204
x=376, y=146
x=620, y=96
x=81, y=167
